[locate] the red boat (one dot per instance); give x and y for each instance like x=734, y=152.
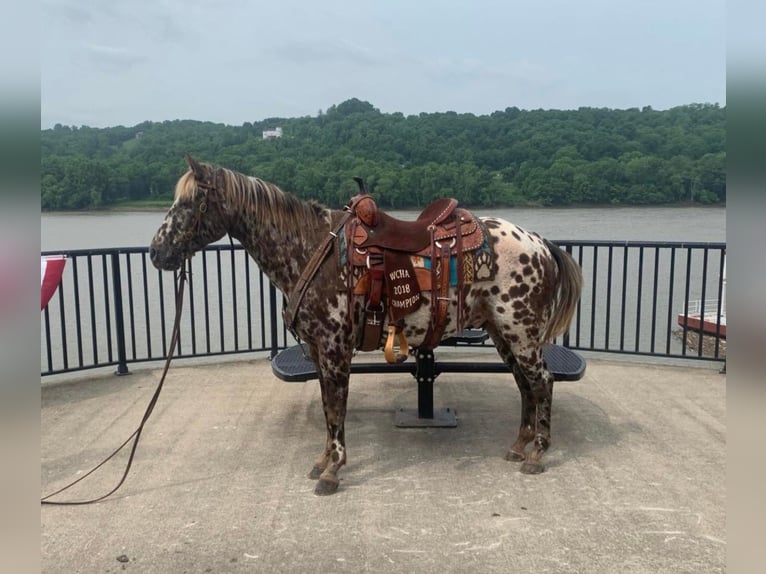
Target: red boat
x=710, y=324
x=713, y=321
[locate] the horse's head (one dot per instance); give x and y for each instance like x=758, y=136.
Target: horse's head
x=195, y=219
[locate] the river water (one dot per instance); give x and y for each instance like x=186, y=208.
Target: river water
x=135, y=229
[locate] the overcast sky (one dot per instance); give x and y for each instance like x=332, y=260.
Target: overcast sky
x=121, y=62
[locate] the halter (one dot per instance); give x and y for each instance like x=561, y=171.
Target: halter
x=189, y=234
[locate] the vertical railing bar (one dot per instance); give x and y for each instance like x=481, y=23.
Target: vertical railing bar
x=220, y=300
x=284, y=326
x=131, y=313
x=107, y=308
x=624, y=297
x=191, y=313
x=687, y=287
x=566, y=336
x=609, y=271
x=262, y=307
x=147, y=314
x=119, y=314
x=91, y=295
x=62, y=318
x=206, y=300
x=655, y=286
x=593, y=298
x=248, y=303
x=700, y=351
x=579, y=301
x=179, y=342
x=234, y=299
x=273, y=317
x=162, y=313
x=77, y=318
x=639, y=295
x=671, y=283
x=48, y=343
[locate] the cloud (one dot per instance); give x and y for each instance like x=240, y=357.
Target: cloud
x=324, y=52
x=113, y=57
x=71, y=11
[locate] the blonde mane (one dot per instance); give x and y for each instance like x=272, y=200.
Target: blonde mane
x=264, y=201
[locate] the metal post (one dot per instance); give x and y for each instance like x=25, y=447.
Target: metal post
x=425, y=375
x=119, y=323
x=426, y=371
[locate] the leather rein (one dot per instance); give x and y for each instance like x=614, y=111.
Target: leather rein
x=137, y=433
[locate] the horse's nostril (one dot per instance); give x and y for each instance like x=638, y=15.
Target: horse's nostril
x=152, y=252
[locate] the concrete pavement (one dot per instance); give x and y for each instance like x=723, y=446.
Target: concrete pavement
x=635, y=479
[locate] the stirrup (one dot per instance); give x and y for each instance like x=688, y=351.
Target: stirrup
x=390, y=354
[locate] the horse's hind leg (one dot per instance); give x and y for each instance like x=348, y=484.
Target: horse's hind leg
x=527, y=425
x=537, y=410
x=535, y=428
x=535, y=385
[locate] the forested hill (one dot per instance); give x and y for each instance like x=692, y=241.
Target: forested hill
x=511, y=157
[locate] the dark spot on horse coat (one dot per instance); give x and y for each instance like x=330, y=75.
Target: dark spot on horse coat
x=524, y=259
x=495, y=290
x=500, y=310
x=516, y=236
x=518, y=291
x=528, y=270
x=505, y=297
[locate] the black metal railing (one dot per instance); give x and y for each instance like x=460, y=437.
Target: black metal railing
x=637, y=298
x=113, y=308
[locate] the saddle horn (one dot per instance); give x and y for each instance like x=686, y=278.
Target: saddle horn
x=360, y=182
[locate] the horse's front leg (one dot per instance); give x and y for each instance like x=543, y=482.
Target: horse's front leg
x=333, y=381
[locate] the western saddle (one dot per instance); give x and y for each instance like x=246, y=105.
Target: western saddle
x=393, y=262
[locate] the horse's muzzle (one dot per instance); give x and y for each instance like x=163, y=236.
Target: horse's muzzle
x=163, y=260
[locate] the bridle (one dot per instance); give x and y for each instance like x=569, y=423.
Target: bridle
x=196, y=226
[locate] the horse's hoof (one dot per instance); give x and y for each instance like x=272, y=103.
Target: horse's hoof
x=514, y=456
x=532, y=467
x=316, y=472
x=326, y=486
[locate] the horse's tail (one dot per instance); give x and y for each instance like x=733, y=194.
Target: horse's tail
x=568, y=289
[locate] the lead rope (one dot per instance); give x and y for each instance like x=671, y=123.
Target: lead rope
x=137, y=433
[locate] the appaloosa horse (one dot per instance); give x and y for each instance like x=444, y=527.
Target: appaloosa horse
x=526, y=298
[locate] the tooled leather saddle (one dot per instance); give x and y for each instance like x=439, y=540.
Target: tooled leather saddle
x=393, y=263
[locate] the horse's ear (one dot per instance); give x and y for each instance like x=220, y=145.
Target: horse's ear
x=194, y=165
